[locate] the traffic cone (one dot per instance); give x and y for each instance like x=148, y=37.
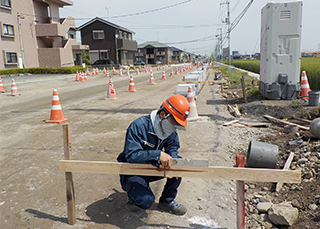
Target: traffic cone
x=177, y=71
x=111, y=94
x=14, y=89
x=158, y=68
x=146, y=69
x=131, y=85
x=181, y=70
x=104, y=71
x=193, y=115
x=151, y=81
x=107, y=74
x=134, y=68
x=77, y=76
x=56, y=112
x=1, y=86
x=120, y=71
x=88, y=73
x=305, y=88
x=171, y=74
x=93, y=72
x=163, y=75
x=85, y=79
x=97, y=71
x=138, y=71
x=113, y=70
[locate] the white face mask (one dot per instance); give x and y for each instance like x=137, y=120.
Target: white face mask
x=167, y=127
x=162, y=127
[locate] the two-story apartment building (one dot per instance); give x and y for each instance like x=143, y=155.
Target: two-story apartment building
x=108, y=41
x=153, y=52
x=34, y=35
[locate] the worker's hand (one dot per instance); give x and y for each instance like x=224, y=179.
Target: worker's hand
x=165, y=159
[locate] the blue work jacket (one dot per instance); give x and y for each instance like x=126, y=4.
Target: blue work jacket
x=143, y=146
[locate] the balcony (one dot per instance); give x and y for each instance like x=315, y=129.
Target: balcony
x=80, y=47
x=57, y=57
x=55, y=29
x=127, y=45
x=139, y=54
x=160, y=53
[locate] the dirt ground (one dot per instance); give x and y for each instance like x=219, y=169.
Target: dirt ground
x=33, y=193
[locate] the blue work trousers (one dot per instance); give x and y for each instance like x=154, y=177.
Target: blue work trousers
x=140, y=194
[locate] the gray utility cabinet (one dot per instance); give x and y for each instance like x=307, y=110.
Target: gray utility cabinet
x=280, y=53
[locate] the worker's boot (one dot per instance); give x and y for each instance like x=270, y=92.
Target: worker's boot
x=173, y=207
x=131, y=207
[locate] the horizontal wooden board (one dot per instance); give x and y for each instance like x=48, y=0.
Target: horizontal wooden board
x=286, y=122
x=212, y=172
x=210, y=81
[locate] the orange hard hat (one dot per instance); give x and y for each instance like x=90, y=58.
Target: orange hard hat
x=179, y=107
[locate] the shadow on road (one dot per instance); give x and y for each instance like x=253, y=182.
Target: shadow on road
x=112, y=210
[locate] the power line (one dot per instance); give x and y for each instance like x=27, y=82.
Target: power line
x=154, y=10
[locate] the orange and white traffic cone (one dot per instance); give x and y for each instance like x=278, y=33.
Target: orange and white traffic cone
x=177, y=71
x=14, y=89
x=56, y=112
x=134, y=68
x=151, y=81
x=85, y=78
x=138, y=71
x=1, y=86
x=146, y=69
x=163, y=75
x=107, y=74
x=113, y=70
x=305, y=88
x=193, y=115
x=93, y=72
x=158, y=68
x=111, y=94
x=104, y=71
x=120, y=71
x=171, y=74
x=181, y=70
x=77, y=76
x=131, y=85
x=97, y=71
x=88, y=72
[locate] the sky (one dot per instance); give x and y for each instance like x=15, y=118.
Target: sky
x=193, y=25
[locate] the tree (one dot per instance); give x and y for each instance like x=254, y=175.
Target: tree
x=85, y=57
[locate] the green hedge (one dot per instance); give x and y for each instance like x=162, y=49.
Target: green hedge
x=43, y=70
x=309, y=64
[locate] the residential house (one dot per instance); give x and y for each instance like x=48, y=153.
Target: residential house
x=154, y=52
x=108, y=41
x=177, y=55
x=34, y=35
x=310, y=54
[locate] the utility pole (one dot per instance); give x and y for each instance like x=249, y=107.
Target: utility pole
x=228, y=23
x=19, y=17
x=220, y=45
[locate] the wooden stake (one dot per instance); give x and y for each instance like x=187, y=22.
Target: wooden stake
x=69, y=179
x=244, y=89
x=240, y=195
x=286, y=167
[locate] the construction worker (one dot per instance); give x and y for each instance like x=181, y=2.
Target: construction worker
x=153, y=139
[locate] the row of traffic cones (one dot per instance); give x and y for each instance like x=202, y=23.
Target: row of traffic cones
x=14, y=89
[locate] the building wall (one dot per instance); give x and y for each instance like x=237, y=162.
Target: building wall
x=108, y=43
x=12, y=44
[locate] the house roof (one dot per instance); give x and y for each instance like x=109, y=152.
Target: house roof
x=105, y=22
x=176, y=49
x=155, y=44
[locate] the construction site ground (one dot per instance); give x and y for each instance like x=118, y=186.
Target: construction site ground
x=33, y=190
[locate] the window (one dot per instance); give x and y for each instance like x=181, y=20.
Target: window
x=98, y=34
x=6, y=3
x=8, y=30
x=120, y=34
x=11, y=57
x=125, y=35
x=130, y=37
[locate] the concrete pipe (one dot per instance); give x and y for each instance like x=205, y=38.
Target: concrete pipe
x=315, y=127
x=262, y=155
